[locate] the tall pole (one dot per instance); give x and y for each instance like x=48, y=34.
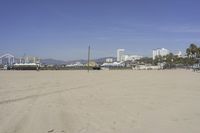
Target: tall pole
x=88, y=58
x=34, y=60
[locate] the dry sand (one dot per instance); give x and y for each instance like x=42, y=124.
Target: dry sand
x=100, y=102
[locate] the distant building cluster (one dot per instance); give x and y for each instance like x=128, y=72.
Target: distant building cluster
x=164, y=52
x=9, y=60
x=123, y=60
x=121, y=56
x=160, y=52
x=27, y=59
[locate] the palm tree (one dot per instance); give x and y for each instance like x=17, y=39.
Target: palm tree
x=198, y=52
x=192, y=51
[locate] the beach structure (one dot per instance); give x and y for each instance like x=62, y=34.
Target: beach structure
x=26, y=66
x=160, y=52
x=91, y=64
x=7, y=59
x=88, y=64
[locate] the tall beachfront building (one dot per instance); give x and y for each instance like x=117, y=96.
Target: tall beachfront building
x=161, y=52
x=120, y=54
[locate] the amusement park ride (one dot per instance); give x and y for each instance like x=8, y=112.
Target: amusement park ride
x=8, y=61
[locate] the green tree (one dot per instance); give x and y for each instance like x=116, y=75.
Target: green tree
x=158, y=59
x=192, y=51
x=198, y=52
x=169, y=58
x=146, y=60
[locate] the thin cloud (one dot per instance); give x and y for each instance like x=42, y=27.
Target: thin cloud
x=181, y=29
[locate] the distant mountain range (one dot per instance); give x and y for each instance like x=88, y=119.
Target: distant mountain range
x=60, y=62
x=52, y=62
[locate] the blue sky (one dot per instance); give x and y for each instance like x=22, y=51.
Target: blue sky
x=63, y=29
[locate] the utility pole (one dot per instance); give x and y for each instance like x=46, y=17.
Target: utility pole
x=88, y=58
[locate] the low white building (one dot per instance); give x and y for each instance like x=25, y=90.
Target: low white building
x=178, y=53
x=160, y=52
x=77, y=64
x=131, y=57
x=114, y=64
x=109, y=60
x=147, y=67
x=125, y=58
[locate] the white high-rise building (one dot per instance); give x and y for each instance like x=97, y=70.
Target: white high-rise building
x=161, y=52
x=120, y=54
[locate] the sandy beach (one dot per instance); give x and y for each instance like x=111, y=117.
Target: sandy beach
x=100, y=101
